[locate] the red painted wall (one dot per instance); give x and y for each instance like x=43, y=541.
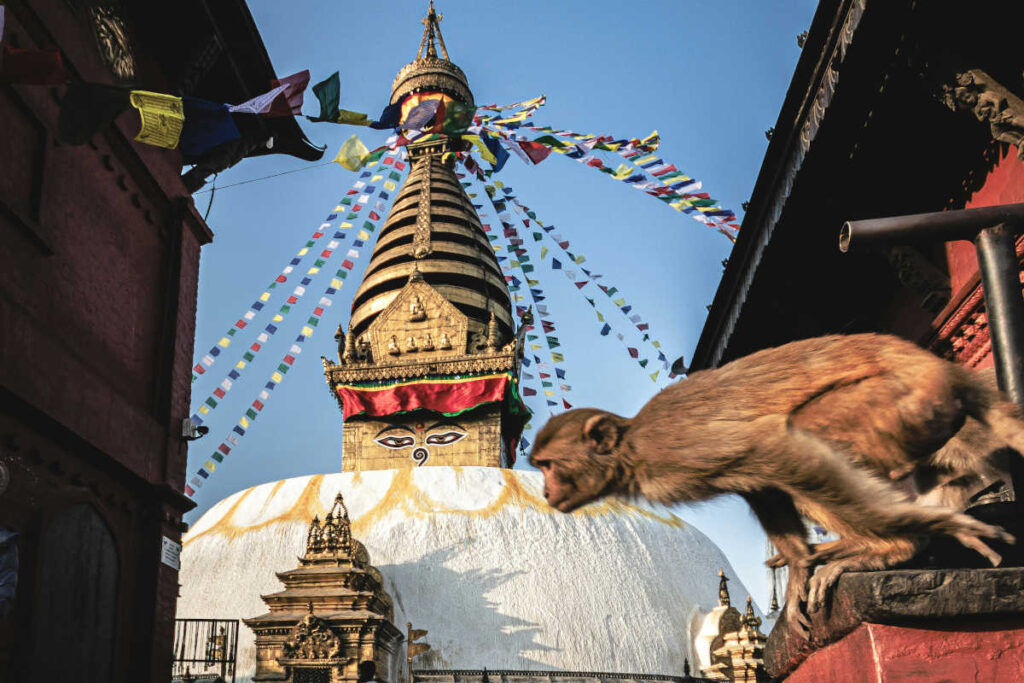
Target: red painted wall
x=898, y=654
x=99, y=258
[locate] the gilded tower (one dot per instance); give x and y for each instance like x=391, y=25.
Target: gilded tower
x=427, y=372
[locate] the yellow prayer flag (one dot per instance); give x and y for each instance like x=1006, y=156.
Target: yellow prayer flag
x=353, y=118
x=264, y=296
x=344, y=225
x=499, y=184
x=244, y=421
x=376, y=178
x=535, y=346
x=543, y=252
x=307, y=330
x=580, y=259
x=656, y=344
x=478, y=143
x=336, y=283
x=352, y=154
x=240, y=364
x=210, y=467
x=162, y=118
x=276, y=377
x=654, y=375
x=557, y=357
x=390, y=186
x=363, y=235
x=204, y=409
x=278, y=318
x=548, y=392
x=224, y=342
x=339, y=207
x=303, y=251
x=313, y=271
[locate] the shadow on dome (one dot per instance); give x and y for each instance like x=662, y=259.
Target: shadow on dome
x=467, y=629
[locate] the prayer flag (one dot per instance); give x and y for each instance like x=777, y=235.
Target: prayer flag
x=535, y=150
x=457, y=117
x=352, y=118
x=207, y=124
x=31, y=67
x=421, y=115
x=353, y=154
x=389, y=118
x=328, y=92
x=499, y=153
x=162, y=118
x=288, y=102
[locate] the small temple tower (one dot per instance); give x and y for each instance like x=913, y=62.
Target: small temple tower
x=333, y=613
x=730, y=645
x=427, y=372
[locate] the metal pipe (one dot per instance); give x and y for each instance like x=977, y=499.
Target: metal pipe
x=1000, y=280
x=940, y=225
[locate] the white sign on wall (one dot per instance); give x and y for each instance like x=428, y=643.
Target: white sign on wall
x=170, y=554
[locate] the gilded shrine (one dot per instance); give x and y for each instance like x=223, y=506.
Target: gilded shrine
x=333, y=613
x=427, y=371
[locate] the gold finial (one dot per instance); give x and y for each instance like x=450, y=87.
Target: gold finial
x=432, y=28
x=723, y=589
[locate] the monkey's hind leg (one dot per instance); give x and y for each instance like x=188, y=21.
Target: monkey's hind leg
x=782, y=525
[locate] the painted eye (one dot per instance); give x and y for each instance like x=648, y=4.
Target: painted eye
x=444, y=438
x=396, y=441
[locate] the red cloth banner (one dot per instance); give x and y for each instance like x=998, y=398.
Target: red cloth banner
x=449, y=397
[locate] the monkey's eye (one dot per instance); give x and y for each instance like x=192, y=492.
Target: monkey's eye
x=444, y=438
x=396, y=441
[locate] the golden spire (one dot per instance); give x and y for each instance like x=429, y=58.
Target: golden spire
x=430, y=72
x=432, y=27
x=723, y=589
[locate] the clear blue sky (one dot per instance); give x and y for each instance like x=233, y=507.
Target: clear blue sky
x=710, y=76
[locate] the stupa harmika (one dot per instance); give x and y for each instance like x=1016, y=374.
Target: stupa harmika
x=449, y=537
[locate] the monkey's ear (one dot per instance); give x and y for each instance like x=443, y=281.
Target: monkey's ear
x=603, y=432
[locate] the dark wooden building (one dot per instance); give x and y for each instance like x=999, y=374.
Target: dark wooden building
x=99, y=258
x=896, y=107
x=877, y=123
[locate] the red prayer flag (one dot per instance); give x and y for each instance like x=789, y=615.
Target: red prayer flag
x=219, y=392
x=199, y=369
x=292, y=299
x=535, y=150
x=318, y=311
x=280, y=278
x=347, y=265
x=289, y=103
x=388, y=161
x=189, y=491
x=32, y=67
x=374, y=216
x=224, y=448
x=289, y=359
x=633, y=353
x=257, y=404
x=566, y=404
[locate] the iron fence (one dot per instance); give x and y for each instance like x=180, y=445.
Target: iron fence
x=204, y=650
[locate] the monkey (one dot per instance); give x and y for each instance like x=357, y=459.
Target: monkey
x=820, y=427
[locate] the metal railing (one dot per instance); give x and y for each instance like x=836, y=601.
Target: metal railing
x=205, y=649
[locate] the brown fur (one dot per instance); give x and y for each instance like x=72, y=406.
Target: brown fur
x=819, y=427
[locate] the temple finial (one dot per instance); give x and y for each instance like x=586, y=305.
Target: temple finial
x=432, y=28
x=723, y=589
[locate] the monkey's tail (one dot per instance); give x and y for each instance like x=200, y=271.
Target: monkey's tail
x=989, y=406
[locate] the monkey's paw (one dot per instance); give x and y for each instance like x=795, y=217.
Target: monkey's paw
x=821, y=582
x=797, y=620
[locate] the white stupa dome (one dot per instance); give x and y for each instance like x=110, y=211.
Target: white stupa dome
x=475, y=555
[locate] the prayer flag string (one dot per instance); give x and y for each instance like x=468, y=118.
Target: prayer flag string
x=581, y=282
x=239, y=430
x=213, y=399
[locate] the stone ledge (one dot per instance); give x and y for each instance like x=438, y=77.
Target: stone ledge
x=925, y=597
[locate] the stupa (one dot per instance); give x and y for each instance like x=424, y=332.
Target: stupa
x=466, y=547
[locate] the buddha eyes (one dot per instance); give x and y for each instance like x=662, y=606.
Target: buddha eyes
x=444, y=438
x=396, y=441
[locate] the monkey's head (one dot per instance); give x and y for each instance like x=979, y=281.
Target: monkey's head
x=577, y=452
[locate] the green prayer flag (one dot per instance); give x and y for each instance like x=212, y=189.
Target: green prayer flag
x=457, y=117
x=328, y=92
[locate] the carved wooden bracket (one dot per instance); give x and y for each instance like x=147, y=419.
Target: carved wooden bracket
x=977, y=92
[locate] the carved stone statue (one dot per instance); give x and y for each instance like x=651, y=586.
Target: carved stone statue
x=393, y=346
x=349, y=354
x=339, y=336
x=427, y=344
x=493, y=335
x=365, y=349
x=445, y=343
x=410, y=345
x=416, y=312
